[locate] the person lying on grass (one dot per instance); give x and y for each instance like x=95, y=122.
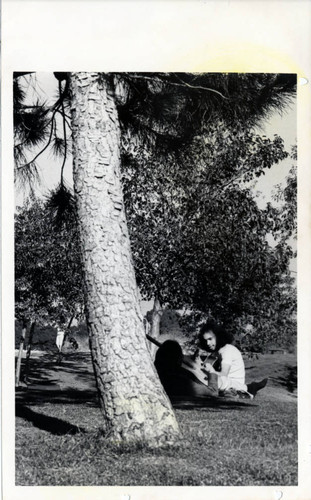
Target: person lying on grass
x=231, y=370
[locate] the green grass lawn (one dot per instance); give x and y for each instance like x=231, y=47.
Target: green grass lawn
x=59, y=439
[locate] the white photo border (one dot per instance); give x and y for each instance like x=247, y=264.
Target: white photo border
x=157, y=35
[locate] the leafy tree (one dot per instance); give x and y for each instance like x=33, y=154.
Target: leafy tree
x=164, y=110
x=197, y=235
x=48, y=283
x=285, y=216
x=245, y=282
x=165, y=199
x=48, y=278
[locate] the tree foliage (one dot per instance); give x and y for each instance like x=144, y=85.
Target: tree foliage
x=177, y=105
x=285, y=216
x=198, y=237
x=159, y=109
x=48, y=280
x=39, y=127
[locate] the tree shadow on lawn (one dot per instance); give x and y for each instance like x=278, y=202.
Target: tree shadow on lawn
x=40, y=395
x=40, y=373
x=214, y=403
x=53, y=425
x=47, y=367
x=60, y=427
x=49, y=382
x=66, y=383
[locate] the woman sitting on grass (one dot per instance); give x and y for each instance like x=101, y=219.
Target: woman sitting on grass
x=231, y=375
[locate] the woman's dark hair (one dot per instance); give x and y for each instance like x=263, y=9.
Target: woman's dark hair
x=222, y=336
x=169, y=356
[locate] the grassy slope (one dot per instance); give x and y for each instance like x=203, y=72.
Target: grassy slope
x=59, y=442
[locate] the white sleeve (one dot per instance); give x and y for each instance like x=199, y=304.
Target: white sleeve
x=226, y=354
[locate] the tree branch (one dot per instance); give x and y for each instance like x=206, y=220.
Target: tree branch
x=199, y=87
x=42, y=150
x=55, y=108
x=183, y=84
x=67, y=118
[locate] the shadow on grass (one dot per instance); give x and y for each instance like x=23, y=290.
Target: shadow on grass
x=53, y=425
x=41, y=394
x=46, y=368
x=207, y=403
x=51, y=382
x=71, y=382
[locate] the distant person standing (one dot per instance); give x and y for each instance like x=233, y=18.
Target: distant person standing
x=60, y=339
x=231, y=375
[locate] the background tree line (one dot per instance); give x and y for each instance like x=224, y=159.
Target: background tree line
x=178, y=253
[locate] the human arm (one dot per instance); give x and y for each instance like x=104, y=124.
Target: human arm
x=231, y=359
x=208, y=368
x=225, y=369
x=223, y=359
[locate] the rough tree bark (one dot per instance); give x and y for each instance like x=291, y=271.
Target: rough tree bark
x=134, y=404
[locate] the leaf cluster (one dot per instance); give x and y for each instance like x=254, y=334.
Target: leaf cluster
x=285, y=217
x=48, y=280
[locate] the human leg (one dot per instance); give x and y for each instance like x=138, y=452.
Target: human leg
x=254, y=387
x=190, y=386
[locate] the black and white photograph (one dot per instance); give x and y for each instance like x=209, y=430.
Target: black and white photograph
x=155, y=279
x=155, y=243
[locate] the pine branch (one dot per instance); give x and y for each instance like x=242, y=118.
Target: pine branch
x=28, y=175
x=63, y=95
x=55, y=109
x=183, y=84
x=67, y=118
x=42, y=150
x=198, y=87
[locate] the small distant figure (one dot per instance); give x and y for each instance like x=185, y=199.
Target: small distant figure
x=59, y=343
x=60, y=339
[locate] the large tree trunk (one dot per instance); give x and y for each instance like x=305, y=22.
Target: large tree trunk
x=133, y=402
